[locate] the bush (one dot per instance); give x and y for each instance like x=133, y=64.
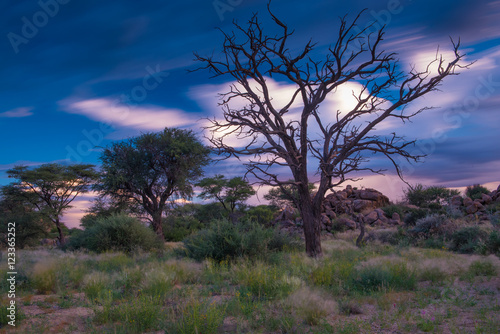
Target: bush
x=396, y=276
x=467, y=239
x=475, y=191
x=225, y=240
x=117, y=232
x=177, y=228
x=429, y=197
x=394, y=208
x=415, y=214
x=262, y=214
x=433, y=226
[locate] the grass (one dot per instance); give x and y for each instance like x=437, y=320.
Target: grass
x=349, y=290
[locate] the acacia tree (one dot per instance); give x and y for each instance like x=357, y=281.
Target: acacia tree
x=152, y=168
x=16, y=207
x=296, y=133
x=52, y=187
x=228, y=192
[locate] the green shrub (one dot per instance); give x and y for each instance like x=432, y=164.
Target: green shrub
x=413, y=215
x=177, y=228
x=429, y=197
x=433, y=226
x=482, y=268
x=117, y=233
x=262, y=214
x=394, y=208
x=467, y=239
x=396, y=276
x=475, y=191
x=224, y=240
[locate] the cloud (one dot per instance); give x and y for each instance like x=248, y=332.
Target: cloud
x=147, y=118
x=18, y=112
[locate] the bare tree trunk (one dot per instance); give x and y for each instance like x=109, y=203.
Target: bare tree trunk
x=61, y=238
x=312, y=226
x=157, y=226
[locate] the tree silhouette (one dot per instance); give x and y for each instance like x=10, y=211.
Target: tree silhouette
x=296, y=133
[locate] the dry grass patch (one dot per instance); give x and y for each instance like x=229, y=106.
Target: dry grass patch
x=312, y=305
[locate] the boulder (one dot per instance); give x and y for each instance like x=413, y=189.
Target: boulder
x=325, y=220
x=359, y=205
x=468, y=201
x=349, y=223
x=396, y=217
x=474, y=207
x=456, y=200
x=372, y=217
x=486, y=199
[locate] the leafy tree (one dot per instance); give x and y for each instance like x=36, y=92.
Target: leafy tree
x=280, y=196
x=228, y=192
x=152, y=168
x=294, y=131
x=106, y=206
x=30, y=225
x=429, y=197
x=51, y=188
x=475, y=191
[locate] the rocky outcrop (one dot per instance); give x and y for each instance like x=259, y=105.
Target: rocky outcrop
x=357, y=200
x=476, y=208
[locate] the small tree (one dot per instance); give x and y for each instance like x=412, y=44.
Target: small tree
x=51, y=188
x=152, y=168
x=429, y=197
x=476, y=191
x=15, y=207
x=228, y=192
x=280, y=196
x=293, y=131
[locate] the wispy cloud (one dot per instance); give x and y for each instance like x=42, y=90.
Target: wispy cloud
x=148, y=118
x=17, y=113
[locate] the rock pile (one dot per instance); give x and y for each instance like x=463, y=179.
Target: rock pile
x=339, y=206
x=477, y=206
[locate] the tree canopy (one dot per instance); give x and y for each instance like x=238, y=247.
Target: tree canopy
x=153, y=168
x=51, y=188
x=229, y=192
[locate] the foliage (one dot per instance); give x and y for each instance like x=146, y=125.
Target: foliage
x=200, y=317
x=395, y=208
x=228, y=192
x=414, y=215
x=55, y=187
x=152, y=168
x=434, y=225
x=467, y=239
x=105, y=206
x=224, y=240
x=30, y=225
x=396, y=276
x=482, y=268
x=117, y=232
x=176, y=228
x=475, y=191
x=280, y=197
x=261, y=214
x=432, y=197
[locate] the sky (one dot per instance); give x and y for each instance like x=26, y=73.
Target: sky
x=78, y=75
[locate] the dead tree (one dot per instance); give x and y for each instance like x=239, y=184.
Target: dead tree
x=274, y=138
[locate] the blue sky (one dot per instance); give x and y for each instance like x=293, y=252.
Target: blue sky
x=77, y=75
